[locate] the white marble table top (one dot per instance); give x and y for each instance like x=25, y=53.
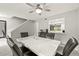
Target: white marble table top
x=40, y=46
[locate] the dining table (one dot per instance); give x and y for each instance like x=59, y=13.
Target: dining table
x=40, y=46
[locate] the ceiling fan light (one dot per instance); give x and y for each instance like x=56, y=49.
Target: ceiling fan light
x=38, y=10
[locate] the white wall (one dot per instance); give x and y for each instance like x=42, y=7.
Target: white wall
x=28, y=26
x=71, y=25
x=12, y=23
x=78, y=25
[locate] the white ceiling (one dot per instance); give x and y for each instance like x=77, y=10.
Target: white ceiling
x=21, y=10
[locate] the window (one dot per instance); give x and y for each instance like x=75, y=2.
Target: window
x=57, y=25
x=2, y=28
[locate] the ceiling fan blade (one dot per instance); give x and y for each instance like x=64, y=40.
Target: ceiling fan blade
x=30, y=11
x=30, y=5
x=39, y=13
x=47, y=10
x=44, y=4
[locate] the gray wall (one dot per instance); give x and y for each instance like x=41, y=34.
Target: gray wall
x=71, y=25
x=27, y=26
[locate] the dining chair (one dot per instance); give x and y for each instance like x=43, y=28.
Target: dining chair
x=50, y=35
x=20, y=53
x=16, y=51
x=69, y=47
x=11, y=44
x=24, y=34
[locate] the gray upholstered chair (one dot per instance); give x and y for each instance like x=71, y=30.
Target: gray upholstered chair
x=24, y=34
x=70, y=45
x=17, y=50
x=50, y=35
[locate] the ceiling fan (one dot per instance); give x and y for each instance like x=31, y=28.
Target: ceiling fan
x=38, y=8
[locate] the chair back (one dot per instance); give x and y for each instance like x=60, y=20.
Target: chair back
x=50, y=35
x=18, y=50
x=42, y=34
x=15, y=49
x=24, y=34
x=70, y=45
x=11, y=44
